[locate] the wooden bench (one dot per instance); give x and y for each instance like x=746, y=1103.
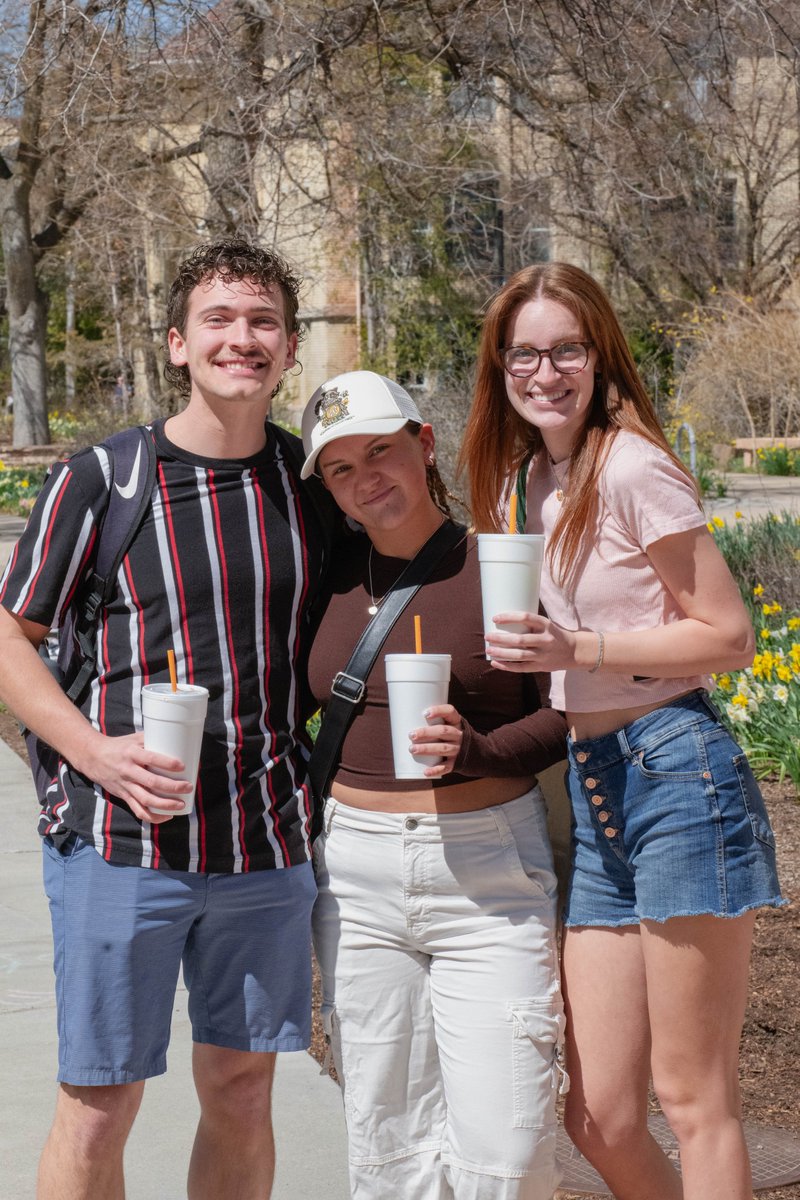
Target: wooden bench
x=750, y=446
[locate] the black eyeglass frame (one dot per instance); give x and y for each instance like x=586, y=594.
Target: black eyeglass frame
x=586, y=346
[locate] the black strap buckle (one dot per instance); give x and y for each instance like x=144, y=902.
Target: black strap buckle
x=347, y=687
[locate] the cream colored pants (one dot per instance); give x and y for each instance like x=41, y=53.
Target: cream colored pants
x=435, y=936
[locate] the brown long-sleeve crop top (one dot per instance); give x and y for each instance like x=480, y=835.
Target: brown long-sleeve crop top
x=510, y=730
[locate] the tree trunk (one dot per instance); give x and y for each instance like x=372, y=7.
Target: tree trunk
x=146, y=381
x=69, y=331
x=26, y=303
x=27, y=318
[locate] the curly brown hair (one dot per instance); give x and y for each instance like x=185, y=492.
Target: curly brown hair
x=229, y=259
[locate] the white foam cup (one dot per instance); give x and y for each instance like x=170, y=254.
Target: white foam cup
x=511, y=572
x=415, y=682
x=173, y=725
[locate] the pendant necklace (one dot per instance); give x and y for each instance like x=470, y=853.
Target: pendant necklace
x=373, y=608
x=374, y=604
x=560, y=479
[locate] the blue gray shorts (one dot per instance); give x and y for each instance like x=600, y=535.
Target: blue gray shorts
x=668, y=821
x=121, y=934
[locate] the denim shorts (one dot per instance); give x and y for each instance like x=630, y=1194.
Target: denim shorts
x=668, y=821
x=120, y=936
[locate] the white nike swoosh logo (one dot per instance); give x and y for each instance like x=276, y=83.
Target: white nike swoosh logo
x=129, y=490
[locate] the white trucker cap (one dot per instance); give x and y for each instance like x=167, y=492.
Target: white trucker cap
x=358, y=402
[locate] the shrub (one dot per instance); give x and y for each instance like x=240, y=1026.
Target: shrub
x=728, y=390
x=19, y=487
x=64, y=427
x=710, y=483
x=763, y=553
x=778, y=460
x=761, y=704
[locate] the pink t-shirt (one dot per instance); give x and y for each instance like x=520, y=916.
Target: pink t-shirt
x=643, y=497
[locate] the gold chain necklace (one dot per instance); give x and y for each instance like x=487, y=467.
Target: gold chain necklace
x=560, y=479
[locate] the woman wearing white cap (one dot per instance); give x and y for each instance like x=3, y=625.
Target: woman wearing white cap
x=435, y=924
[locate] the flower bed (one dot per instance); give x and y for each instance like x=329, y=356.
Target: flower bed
x=19, y=487
x=762, y=703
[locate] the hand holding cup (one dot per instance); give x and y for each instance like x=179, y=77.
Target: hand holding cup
x=173, y=718
x=441, y=737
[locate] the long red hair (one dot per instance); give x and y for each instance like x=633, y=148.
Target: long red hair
x=497, y=439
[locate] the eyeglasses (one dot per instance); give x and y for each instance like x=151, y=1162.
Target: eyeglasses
x=567, y=358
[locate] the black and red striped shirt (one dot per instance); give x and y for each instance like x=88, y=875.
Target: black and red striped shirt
x=224, y=569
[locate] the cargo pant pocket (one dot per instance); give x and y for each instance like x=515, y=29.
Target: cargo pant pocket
x=333, y=1052
x=537, y=1060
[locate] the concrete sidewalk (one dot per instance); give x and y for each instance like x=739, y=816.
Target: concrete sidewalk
x=10, y=529
x=755, y=496
x=309, y=1126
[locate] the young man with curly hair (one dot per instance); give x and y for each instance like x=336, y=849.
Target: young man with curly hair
x=224, y=568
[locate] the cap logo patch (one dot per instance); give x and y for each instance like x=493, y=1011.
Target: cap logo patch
x=332, y=407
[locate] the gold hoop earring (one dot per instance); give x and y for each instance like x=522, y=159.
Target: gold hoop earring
x=296, y=374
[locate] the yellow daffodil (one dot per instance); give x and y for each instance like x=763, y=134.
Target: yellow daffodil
x=758, y=590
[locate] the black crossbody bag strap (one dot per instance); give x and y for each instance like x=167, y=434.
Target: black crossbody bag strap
x=349, y=686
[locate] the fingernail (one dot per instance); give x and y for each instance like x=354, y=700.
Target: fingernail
x=427, y=713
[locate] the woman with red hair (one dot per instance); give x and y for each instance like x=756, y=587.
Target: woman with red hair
x=672, y=849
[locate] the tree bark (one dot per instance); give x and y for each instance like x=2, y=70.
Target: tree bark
x=27, y=317
x=26, y=302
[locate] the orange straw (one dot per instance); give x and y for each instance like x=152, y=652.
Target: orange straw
x=173, y=674
x=512, y=514
x=417, y=635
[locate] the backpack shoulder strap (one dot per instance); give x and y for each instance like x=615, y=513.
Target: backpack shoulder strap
x=132, y=456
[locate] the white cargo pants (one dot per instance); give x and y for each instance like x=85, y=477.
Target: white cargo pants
x=435, y=936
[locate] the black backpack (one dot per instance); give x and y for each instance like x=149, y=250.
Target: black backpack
x=133, y=461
